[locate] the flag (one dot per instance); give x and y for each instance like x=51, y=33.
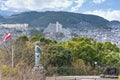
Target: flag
x=7, y=37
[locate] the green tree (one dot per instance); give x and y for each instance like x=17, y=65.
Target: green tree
x=109, y=47
x=58, y=56
x=36, y=37
x=24, y=51
x=21, y=39
x=82, y=48
x=42, y=39
x=80, y=67
x=111, y=59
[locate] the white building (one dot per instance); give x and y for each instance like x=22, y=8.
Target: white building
x=14, y=26
x=53, y=29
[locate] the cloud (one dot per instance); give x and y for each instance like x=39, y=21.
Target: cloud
x=37, y=4
x=2, y=5
x=79, y=4
x=98, y=1
x=40, y=5
x=109, y=14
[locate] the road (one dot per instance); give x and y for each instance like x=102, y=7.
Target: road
x=108, y=79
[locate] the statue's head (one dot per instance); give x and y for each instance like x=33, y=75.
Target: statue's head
x=37, y=42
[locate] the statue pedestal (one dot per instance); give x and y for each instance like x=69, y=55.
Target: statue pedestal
x=39, y=73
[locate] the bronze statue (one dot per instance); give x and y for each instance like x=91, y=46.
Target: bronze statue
x=37, y=54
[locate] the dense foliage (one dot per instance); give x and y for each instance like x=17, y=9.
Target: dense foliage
x=79, y=53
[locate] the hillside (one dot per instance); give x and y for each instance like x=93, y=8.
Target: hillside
x=7, y=13
x=1, y=19
x=67, y=19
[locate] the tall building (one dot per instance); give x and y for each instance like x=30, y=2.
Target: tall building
x=56, y=32
x=53, y=28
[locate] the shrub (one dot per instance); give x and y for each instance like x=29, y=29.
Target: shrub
x=8, y=71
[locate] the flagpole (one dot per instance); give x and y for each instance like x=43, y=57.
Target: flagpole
x=12, y=56
x=12, y=51
x=7, y=37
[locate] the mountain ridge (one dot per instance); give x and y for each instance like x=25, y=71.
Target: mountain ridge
x=67, y=19
x=1, y=19
x=7, y=13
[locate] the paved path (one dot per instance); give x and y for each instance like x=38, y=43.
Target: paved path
x=78, y=78
x=108, y=79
